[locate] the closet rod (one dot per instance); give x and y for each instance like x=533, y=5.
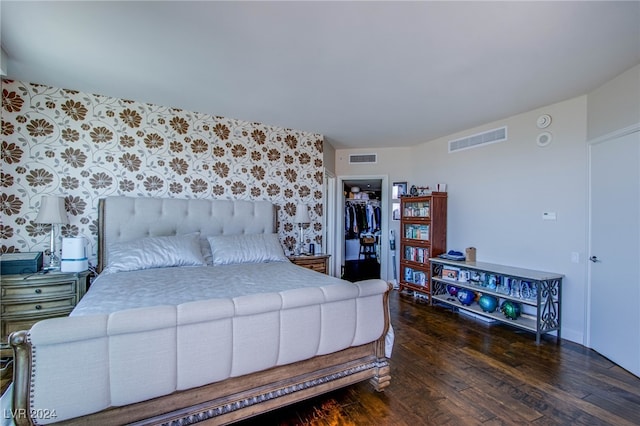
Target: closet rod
x=356, y=201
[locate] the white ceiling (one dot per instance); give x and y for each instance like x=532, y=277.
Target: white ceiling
x=364, y=74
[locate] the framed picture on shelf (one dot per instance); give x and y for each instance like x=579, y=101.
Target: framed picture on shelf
x=399, y=190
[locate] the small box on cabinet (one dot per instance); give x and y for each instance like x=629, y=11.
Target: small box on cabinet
x=20, y=263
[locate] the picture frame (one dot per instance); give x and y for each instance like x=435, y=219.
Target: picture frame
x=399, y=190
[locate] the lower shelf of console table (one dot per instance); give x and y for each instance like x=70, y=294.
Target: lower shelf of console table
x=537, y=293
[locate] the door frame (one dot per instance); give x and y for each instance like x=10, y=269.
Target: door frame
x=384, y=226
x=591, y=142
x=330, y=214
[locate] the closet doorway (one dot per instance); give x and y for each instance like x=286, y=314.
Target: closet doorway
x=364, y=223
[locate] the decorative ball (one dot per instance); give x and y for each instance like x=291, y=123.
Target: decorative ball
x=466, y=296
x=510, y=309
x=452, y=290
x=488, y=303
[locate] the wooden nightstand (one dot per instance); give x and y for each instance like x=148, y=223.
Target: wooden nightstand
x=318, y=262
x=28, y=298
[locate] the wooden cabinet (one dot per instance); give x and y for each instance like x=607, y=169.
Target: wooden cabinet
x=533, y=297
x=29, y=298
x=423, y=234
x=318, y=262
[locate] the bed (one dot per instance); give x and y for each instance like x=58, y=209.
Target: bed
x=197, y=316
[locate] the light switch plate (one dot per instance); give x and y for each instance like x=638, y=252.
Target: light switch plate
x=548, y=215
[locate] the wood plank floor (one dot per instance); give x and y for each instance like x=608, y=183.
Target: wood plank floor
x=449, y=369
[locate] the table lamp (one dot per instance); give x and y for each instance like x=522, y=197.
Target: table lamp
x=52, y=212
x=302, y=217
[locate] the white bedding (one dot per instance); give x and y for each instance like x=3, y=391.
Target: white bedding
x=173, y=286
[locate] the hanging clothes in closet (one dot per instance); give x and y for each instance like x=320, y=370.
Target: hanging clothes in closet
x=361, y=217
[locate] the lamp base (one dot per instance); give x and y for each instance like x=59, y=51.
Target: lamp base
x=54, y=265
x=51, y=268
x=54, y=260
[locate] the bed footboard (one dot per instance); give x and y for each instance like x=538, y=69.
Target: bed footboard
x=220, y=402
x=228, y=401
x=243, y=397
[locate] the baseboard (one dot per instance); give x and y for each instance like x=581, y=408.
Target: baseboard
x=476, y=316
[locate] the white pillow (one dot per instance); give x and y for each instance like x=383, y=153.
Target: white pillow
x=246, y=248
x=155, y=252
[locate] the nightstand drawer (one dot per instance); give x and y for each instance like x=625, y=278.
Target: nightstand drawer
x=318, y=263
x=9, y=326
x=315, y=266
x=37, y=307
x=38, y=290
x=17, y=324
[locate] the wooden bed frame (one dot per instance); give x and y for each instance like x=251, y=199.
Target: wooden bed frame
x=232, y=399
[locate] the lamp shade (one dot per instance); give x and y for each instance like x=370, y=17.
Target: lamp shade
x=52, y=210
x=302, y=214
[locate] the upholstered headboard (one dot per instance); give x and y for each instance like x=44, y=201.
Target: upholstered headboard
x=126, y=218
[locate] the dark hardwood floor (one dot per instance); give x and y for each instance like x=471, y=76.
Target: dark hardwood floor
x=449, y=369
x=361, y=269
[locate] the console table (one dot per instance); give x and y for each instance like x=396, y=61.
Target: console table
x=537, y=294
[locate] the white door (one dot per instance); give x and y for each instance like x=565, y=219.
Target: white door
x=615, y=250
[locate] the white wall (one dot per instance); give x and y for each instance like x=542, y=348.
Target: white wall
x=614, y=105
x=328, y=156
x=498, y=192
x=3, y=62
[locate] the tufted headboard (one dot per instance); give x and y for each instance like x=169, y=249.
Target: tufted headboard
x=127, y=218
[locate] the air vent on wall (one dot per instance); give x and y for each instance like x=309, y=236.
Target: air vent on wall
x=479, y=139
x=363, y=158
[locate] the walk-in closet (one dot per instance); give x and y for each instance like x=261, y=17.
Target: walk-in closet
x=362, y=236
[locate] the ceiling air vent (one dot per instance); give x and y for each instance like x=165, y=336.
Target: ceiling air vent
x=363, y=158
x=479, y=139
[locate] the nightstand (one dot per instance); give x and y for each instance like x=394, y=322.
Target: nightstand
x=28, y=298
x=318, y=262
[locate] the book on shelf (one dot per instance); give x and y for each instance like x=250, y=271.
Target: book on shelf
x=416, y=254
x=417, y=232
x=423, y=232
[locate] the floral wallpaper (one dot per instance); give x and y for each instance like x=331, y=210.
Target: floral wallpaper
x=84, y=147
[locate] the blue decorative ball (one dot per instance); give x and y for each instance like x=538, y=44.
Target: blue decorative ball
x=465, y=296
x=488, y=303
x=452, y=290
